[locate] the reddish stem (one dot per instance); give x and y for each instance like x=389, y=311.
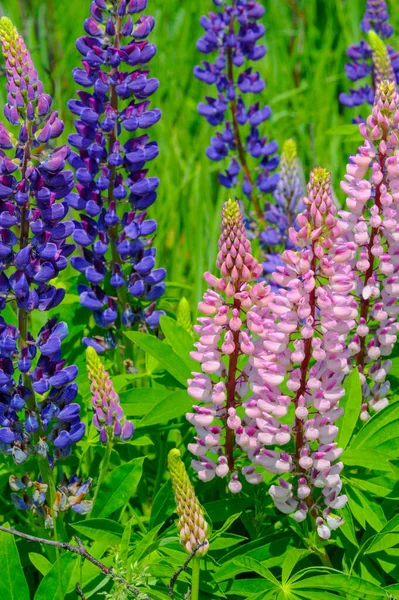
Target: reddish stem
x=231, y=392
x=299, y=437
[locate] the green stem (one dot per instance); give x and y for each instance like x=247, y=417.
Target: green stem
x=104, y=466
x=325, y=559
x=195, y=578
x=161, y=462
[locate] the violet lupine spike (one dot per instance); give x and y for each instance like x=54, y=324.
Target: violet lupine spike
x=363, y=65
x=231, y=320
x=109, y=418
x=282, y=215
x=33, y=250
x=376, y=18
x=113, y=190
x=314, y=300
x=233, y=33
x=371, y=229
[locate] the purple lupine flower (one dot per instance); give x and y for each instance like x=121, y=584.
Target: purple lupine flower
x=109, y=418
x=233, y=33
x=372, y=231
x=376, y=18
x=33, y=250
x=363, y=65
x=114, y=190
x=282, y=215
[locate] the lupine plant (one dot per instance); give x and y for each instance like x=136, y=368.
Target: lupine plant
x=267, y=420
x=110, y=154
x=232, y=33
x=38, y=415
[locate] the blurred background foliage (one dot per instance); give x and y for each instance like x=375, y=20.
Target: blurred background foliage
x=304, y=72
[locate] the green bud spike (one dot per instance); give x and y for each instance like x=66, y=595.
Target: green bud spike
x=184, y=316
x=193, y=529
x=383, y=70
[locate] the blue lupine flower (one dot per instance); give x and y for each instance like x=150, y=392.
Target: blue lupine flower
x=233, y=34
x=114, y=190
x=33, y=186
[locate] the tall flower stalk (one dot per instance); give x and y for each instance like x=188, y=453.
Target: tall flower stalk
x=233, y=33
x=37, y=412
x=371, y=228
x=113, y=190
x=231, y=320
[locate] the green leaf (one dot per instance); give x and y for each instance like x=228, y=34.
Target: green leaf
x=40, y=562
x=139, y=401
x=100, y=530
x=251, y=564
x=13, y=584
x=173, y=406
x=118, y=488
x=227, y=524
x=146, y=545
x=351, y=404
x=387, y=537
x=390, y=415
x=55, y=584
x=226, y=540
x=169, y=360
x=339, y=582
x=369, y=459
x=348, y=529
x=179, y=339
x=292, y=558
x=125, y=544
x=163, y=505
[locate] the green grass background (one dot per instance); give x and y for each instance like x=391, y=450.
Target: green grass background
x=306, y=37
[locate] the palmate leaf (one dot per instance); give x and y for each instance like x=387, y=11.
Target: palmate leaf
x=179, y=340
x=389, y=416
x=57, y=581
x=340, y=582
x=172, y=406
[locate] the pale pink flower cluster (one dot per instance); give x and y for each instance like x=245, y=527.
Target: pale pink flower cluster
x=371, y=229
x=314, y=300
x=232, y=319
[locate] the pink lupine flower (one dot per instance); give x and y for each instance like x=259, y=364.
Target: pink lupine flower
x=371, y=231
x=314, y=299
x=232, y=319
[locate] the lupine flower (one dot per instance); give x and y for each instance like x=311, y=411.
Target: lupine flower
x=32, y=496
x=288, y=203
x=233, y=33
x=363, y=56
x=193, y=529
x=33, y=250
x=232, y=311
x=371, y=230
x=109, y=418
x=113, y=190
x=314, y=300
x=376, y=18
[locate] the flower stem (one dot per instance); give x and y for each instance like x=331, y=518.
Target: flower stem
x=104, y=467
x=231, y=392
x=195, y=578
